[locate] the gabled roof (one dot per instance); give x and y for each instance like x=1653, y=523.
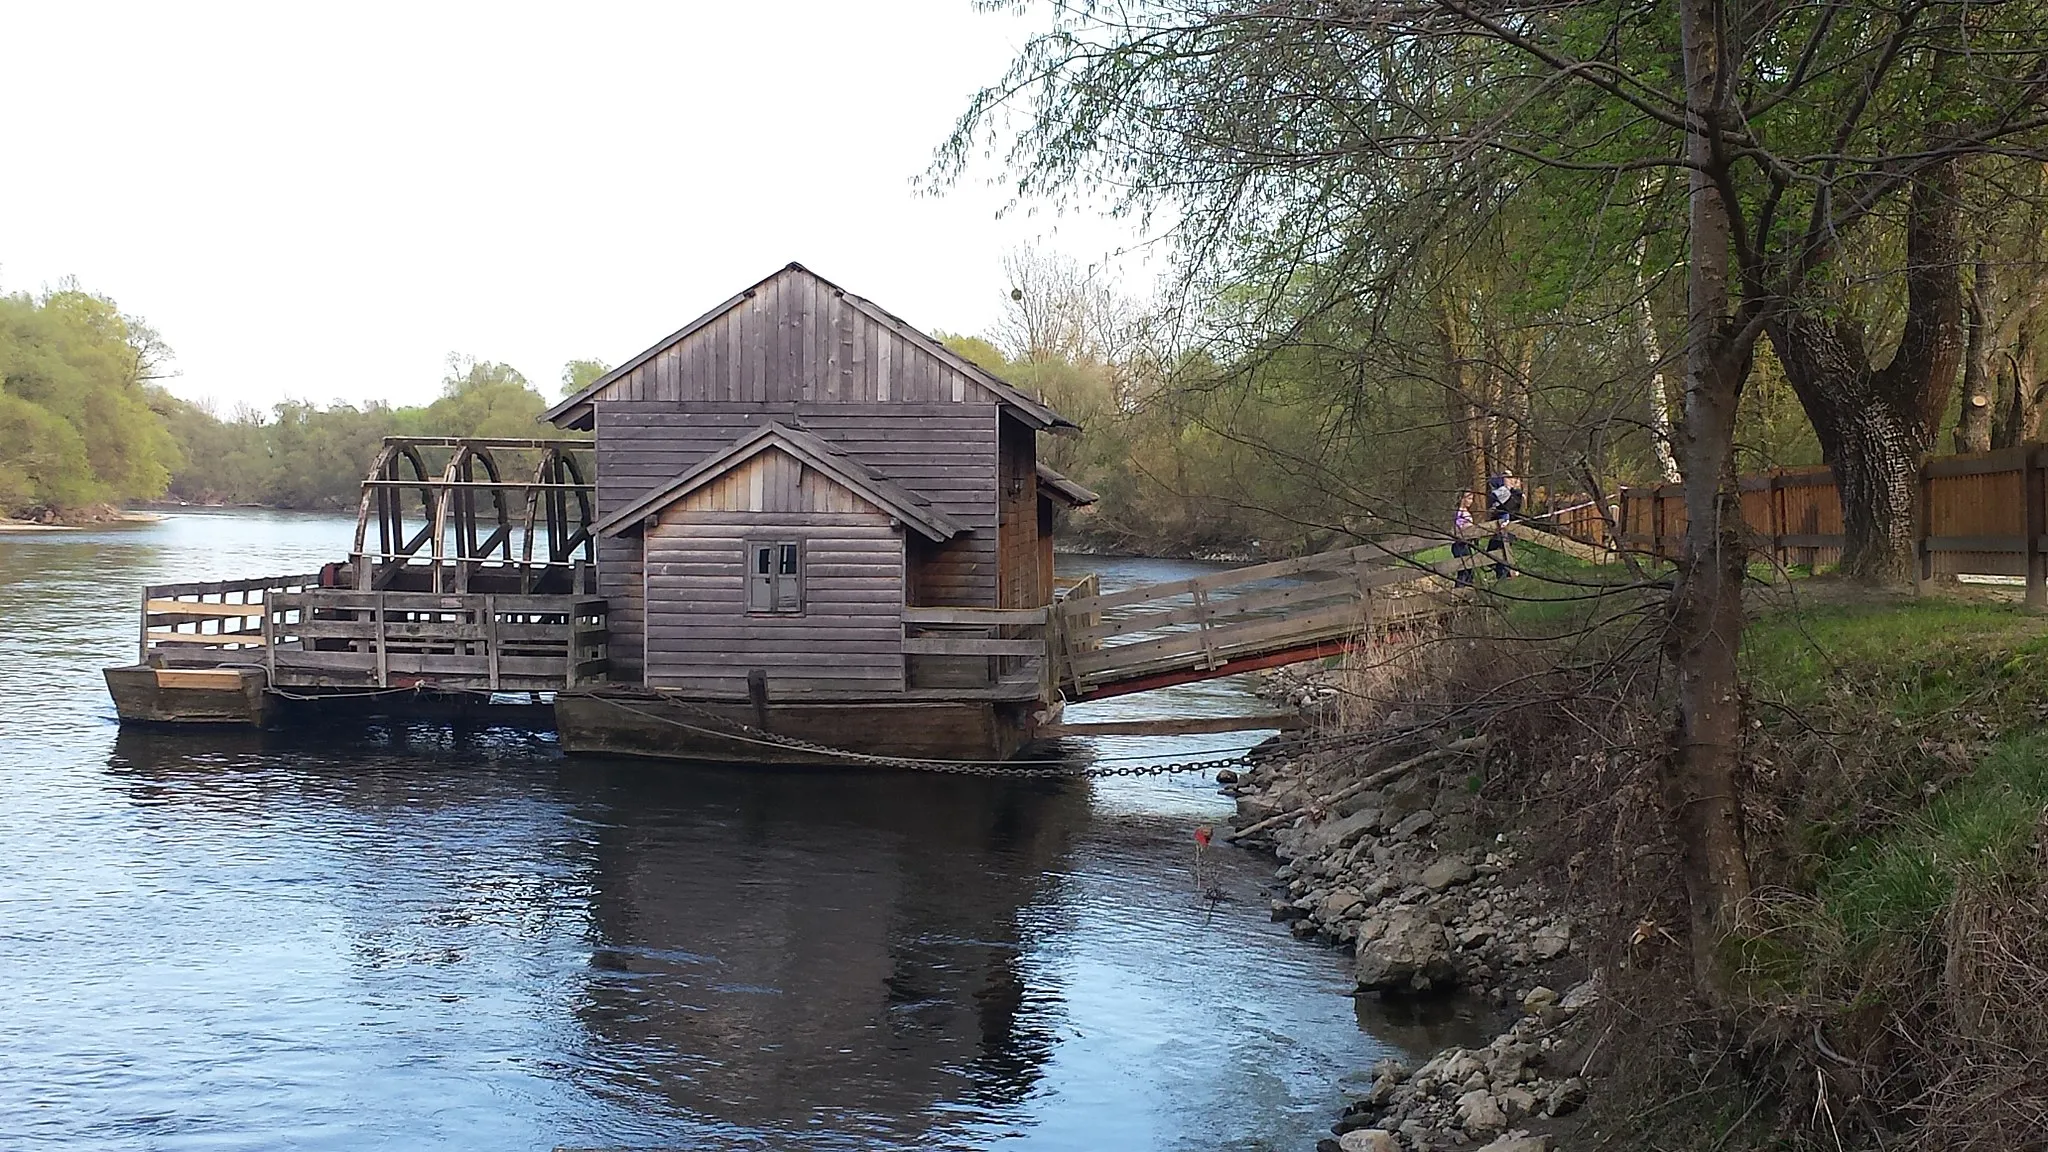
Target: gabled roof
x=1022, y=404
x=913, y=510
x=1064, y=490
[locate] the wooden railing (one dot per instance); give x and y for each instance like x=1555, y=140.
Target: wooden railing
x=970, y=648
x=1207, y=622
x=343, y=638
x=207, y=623
x=1583, y=520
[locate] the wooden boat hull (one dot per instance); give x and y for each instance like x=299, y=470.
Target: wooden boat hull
x=149, y=695
x=620, y=721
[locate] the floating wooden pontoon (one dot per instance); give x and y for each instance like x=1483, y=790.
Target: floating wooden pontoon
x=806, y=526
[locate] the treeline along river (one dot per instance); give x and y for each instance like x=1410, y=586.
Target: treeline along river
x=411, y=936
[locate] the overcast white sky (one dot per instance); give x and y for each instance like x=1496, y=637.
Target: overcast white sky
x=323, y=204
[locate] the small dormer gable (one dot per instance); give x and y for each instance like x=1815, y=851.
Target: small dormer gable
x=778, y=469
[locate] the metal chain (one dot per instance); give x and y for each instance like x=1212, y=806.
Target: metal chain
x=747, y=733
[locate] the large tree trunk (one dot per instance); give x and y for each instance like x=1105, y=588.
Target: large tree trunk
x=1876, y=456
x=1973, y=423
x=1702, y=784
x=1874, y=424
x=1468, y=428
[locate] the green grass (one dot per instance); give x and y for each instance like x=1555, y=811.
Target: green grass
x=1551, y=592
x=1981, y=828
x=1936, y=712
x=1918, y=659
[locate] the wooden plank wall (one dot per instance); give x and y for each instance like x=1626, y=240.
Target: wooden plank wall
x=619, y=581
x=797, y=339
x=945, y=452
x=700, y=637
x=1017, y=516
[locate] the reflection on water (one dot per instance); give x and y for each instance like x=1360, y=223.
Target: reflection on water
x=418, y=936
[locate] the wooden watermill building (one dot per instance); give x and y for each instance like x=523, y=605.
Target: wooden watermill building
x=805, y=504
x=795, y=513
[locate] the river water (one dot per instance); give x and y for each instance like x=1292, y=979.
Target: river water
x=410, y=936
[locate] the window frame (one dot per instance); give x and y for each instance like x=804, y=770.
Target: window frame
x=775, y=545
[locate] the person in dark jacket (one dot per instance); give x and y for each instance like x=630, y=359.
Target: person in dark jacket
x=1503, y=503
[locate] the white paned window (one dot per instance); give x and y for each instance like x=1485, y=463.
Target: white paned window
x=775, y=577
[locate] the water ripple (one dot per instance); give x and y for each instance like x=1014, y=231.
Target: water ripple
x=410, y=936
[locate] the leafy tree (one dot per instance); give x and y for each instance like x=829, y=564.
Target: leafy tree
x=1342, y=169
x=580, y=374
x=483, y=398
x=76, y=422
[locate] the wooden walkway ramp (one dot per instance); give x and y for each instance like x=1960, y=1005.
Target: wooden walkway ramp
x=1241, y=620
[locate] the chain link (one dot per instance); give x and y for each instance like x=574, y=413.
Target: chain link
x=747, y=733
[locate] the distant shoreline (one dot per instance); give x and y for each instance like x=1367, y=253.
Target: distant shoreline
x=120, y=517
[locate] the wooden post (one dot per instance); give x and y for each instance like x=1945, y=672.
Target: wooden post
x=1923, y=559
x=1201, y=597
x=491, y=639
x=142, y=637
x=757, y=695
x=2036, y=501
x=383, y=659
x=1657, y=523
x=1774, y=507
x=269, y=642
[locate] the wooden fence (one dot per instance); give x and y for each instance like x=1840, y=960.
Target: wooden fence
x=1981, y=514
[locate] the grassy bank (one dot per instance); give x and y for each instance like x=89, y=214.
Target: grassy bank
x=1895, y=991
x=1901, y=753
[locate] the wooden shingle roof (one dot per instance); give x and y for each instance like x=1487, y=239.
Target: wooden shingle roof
x=1064, y=490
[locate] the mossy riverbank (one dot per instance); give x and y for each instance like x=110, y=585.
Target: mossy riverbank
x=1894, y=986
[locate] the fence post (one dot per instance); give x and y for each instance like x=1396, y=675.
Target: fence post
x=2036, y=501
x=1923, y=560
x=1774, y=511
x=1656, y=523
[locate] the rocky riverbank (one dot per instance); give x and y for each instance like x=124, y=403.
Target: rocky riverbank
x=1403, y=865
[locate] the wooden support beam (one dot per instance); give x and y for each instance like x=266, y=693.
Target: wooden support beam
x=1227, y=668
x=251, y=639
x=1176, y=726
x=197, y=608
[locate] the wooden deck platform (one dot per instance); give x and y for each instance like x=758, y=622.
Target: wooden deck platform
x=303, y=636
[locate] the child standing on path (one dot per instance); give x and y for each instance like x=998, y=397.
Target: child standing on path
x=1461, y=540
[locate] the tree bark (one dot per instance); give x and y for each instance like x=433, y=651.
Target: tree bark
x=1973, y=423
x=2022, y=421
x=1874, y=424
x=1702, y=776
x=1468, y=430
